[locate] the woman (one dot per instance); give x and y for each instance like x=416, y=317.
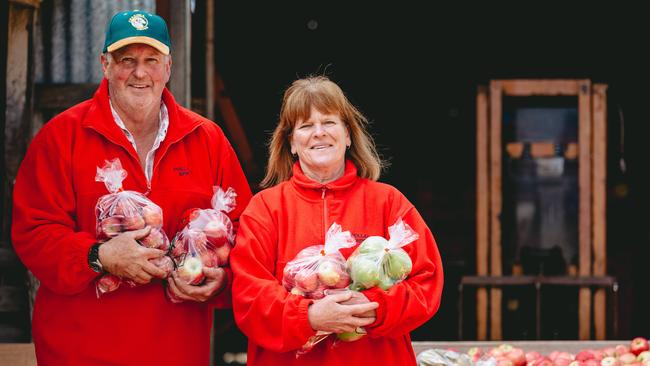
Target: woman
x=323, y=168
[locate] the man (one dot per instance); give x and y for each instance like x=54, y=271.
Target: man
x=171, y=155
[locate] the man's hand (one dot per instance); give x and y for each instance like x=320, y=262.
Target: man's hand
x=124, y=257
x=215, y=282
x=330, y=314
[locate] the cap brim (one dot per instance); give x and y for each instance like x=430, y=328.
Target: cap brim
x=145, y=40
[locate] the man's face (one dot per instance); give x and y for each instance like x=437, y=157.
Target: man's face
x=136, y=75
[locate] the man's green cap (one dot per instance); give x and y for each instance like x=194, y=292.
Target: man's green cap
x=137, y=27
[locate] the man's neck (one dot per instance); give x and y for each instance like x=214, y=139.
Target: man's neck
x=142, y=123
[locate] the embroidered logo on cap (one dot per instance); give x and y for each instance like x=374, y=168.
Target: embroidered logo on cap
x=139, y=22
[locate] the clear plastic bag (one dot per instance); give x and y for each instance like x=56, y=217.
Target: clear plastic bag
x=120, y=211
x=380, y=262
x=317, y=269
x=205, y=240
x=442, y=357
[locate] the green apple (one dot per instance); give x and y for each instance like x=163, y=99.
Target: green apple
x=397, y=264
x=349, y=336
x=364, y=272
x=373, y=244
x=385, y=282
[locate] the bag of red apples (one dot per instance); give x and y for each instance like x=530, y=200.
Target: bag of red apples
x=120, y=211
x=380, y=262
x=317, y=269
x=205, y=240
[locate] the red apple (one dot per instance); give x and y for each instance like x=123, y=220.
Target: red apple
x=328, y=273
x=191, y=270
x=609, y=352
x=638, y=345
x=643, y=356
x=517, y=356
x=111, y=226
x=165, y=263
x=155, y=239
x=609, y=361
x=585, y=355
x=592, y=362
x=123, y=206
x=222, y=254
x=216, y=232
x=532, y=356
x=627, y=358
x=135, y=222
x=561, y=361
x=543, y=361
x=621, y=349
x=344, y=281
x=475, y=353
x=306, y=280
x=504, y=361
x=208, y=258
x=152, y=215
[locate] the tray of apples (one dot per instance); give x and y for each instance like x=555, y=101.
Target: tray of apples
x=636, y=353
x=123, y=210
x=379, y=262
x=205, y=240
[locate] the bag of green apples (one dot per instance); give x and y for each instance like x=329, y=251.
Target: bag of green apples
x=205, y=240
x=123, y=210
x=380, y=262
x=317, y=269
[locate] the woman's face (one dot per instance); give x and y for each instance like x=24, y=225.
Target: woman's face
x=320, y=142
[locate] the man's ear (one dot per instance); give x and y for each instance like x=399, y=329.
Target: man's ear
x=104, y=60
x=168, y=67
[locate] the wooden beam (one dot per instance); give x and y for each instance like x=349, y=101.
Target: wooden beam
x=482, y=208
x=496, y=95
x=209, y=59
x=599, y=149
x=180, y=30
x=523, y=88
x=62, y=96
x=30, y=3
x=234, y=127
x=584, y=214
x=19, y=87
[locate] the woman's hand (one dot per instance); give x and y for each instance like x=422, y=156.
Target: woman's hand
x=360, y=298
x=215, y=282
x=330, y=314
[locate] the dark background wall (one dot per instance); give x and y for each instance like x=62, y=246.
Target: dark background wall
x=413, y=70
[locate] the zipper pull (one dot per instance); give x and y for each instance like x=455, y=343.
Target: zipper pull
x=323, y=195
x=148, y=188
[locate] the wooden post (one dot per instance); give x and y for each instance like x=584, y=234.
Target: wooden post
x=584, y=216
x=181, y=31
x=209, y=60
x=482, y=208
x=599, y=149
x=496, y=95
